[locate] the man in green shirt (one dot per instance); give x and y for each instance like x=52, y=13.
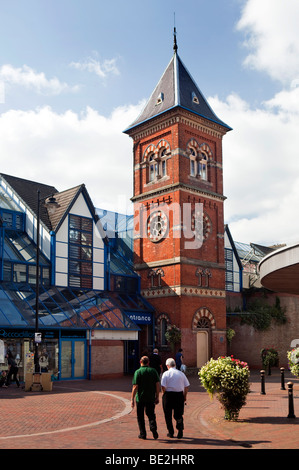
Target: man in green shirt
x=146, y=388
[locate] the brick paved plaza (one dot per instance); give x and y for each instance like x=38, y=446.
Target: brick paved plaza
x=97, y=415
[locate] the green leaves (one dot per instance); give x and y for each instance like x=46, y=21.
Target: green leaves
x=228, y=379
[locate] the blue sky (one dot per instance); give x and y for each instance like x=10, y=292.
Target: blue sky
x=74, y=74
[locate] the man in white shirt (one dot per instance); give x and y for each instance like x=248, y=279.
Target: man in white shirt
x=174, y=394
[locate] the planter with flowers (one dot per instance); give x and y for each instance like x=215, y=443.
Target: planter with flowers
x=173, y=335
x=293, y=357
x=228, y=379
x=269, y=358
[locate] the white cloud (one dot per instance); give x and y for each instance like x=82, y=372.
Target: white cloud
x=261, y=168
x=27, y=77
x=261, y=164
x=102, y=70
x=272, y=37
x=68, y=149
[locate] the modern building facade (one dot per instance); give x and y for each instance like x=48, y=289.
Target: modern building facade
x=86, y=300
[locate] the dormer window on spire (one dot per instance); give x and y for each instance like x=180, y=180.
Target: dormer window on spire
x=194, y=98
x=160, y=99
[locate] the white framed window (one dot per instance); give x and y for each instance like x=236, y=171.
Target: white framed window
x=193, y=165
x=198, y=164
x=202, y=166
x=157, y=165
x=153, y=167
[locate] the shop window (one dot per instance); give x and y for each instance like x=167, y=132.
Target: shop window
x=23, y=353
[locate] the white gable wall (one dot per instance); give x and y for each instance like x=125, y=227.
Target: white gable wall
x=80, y=208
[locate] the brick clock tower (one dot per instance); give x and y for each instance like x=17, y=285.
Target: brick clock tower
x=178, y=207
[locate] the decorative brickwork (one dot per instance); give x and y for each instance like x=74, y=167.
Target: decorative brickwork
x=182, y=270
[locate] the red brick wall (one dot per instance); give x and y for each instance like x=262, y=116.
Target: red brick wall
x=107, y=358
x=178, y=128
x=248, y=343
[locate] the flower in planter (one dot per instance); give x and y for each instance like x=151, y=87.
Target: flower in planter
x=269, y=357
x=293, y=357
x=173, y=335
x=228, y=379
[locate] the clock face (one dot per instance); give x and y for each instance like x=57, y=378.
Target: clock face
x=201, y=225
x=157, y=226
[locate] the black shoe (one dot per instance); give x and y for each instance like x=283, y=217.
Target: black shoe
x=169, y=435
x=155, y=435
x=142, y=436
x=180, y=434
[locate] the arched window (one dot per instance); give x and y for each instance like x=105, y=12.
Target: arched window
x=202, y=166
x=153, y=167
x=163, y=164
x=193, y=169
x=163, y=326
x=199, y=157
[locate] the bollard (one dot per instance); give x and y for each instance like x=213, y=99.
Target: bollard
x=263, y=382
x=282, y=378
x=291, y=401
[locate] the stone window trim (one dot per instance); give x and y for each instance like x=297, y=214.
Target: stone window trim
x=202, y=318
x=155, y=276
x=200, y=156
x=155, y=157
x=204, y=276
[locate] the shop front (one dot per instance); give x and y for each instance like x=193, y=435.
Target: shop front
x=67, y=320
x=62, y=354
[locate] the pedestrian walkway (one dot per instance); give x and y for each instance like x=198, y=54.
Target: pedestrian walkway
x=97, y=415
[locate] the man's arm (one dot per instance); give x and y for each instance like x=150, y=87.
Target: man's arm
x=134, y=391
x=157, y=392
x=185, y=393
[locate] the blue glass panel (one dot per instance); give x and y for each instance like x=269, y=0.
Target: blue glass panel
x=9, y=312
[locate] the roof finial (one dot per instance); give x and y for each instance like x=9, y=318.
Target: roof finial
x=175, y=46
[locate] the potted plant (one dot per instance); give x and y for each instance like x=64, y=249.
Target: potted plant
x=293, y=357
x=228, y=379
x=173, y=335
x=269, y=358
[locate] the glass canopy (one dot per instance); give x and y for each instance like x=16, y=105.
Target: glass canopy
x=62, y=307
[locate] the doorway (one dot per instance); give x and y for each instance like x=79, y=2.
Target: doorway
x=202, y=347
x=131, y=356
x=73, y=359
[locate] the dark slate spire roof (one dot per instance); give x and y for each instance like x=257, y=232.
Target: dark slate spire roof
x=176, y=88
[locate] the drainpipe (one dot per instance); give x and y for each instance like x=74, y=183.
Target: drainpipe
x=53, y=257
x=89, y=354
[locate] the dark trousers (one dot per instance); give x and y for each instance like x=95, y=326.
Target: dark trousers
x=12, y=375
x=173, y=402
x=149, y=409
